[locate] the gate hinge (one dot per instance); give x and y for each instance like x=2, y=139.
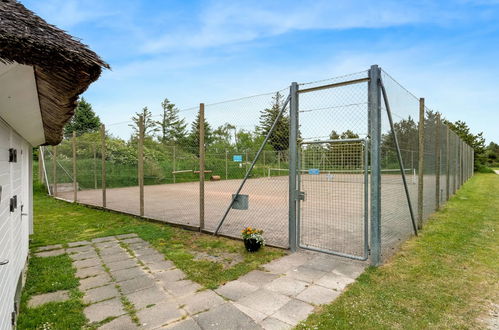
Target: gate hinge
x=300, y=195
x=12, y=155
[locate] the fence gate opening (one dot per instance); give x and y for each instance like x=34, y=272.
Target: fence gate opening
x=332, y=208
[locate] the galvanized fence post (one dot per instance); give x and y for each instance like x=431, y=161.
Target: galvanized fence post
x=54, y=170
x=75, y=188
x=140, y=165
x=447, y=161
x=201, y=166
x=293, y=161
x=421, y=152
x=374, y=109
x=103, y=166
x=437, y=162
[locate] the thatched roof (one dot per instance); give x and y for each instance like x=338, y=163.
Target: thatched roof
x=63, y=66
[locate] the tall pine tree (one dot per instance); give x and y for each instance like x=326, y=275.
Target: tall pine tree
x=172, y=128
x=84, y=120
x=150, y=125
x=279, y=139
x=193, y=139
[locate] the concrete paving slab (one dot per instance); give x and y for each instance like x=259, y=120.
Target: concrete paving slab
x=92, y=262
x=101, y=293
x=151, y=258
x=318, y=295
x=186, y=324
x=115, y=257
x=298, y=258
x=127, y=274
x=200, y=301
x=136, y=284
x=123, y=264
x=293, y=312
x=49, y=247
x=169, y=275
x=350, y=269
x=111, y=251
x=287, y=286
x=40, y=299
x=80, y=249
x=181, y=288
x=236, y=290
x=159, y=314
x=132, y=240
x=90, y=271
x=51, y=253
x=264, y=301
x=258, y=278
x=143, y=251
x=95, y=281
x=102, y=310
x=103, y=239
x=271, y=323
x=79, y=243
x=334, y=281
x=84, y=255
x=123, y=322
x=225, y=316
x=107, y=244
x=138, y=246
x=160, y=266
x=324, y=263
x=253, y=314
x=305, y=274
x=147, y=297
x=122, y=236
x=279, y=266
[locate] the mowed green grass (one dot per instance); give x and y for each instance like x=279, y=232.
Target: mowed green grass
x=60, y=222
x=446, y=278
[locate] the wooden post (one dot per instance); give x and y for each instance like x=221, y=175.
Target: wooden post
x=226, y=164
x=75, y=190
x=201, y=166
x=420, y=163
x=437, y=161
x=174, y=165
x=95, y=165
x=140, y=167
x=103, y=166
x=54, y=170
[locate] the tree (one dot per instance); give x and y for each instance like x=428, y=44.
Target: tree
x=84, y=120
x=476, y=141
x=172, y=128
x=193, y=138
x=150, y=126
x=222, y=135
x=279, y=139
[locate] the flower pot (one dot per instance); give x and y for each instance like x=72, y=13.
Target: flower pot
x=252, y=245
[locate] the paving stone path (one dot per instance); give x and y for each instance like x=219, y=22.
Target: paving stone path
x=123, y=275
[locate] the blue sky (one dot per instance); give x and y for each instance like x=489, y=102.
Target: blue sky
x=208, y=51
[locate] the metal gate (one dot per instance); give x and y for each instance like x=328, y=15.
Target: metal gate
x=333, y=182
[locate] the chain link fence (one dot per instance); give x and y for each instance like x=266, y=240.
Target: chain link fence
x=239, y=176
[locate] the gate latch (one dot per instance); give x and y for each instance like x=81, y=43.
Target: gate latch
x=300, y=196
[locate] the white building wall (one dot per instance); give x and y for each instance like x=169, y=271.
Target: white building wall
x=14, y=226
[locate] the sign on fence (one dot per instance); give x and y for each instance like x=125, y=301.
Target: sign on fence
x=237, y=158
x=313, y=171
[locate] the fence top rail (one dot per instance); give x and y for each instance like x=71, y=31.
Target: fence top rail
x=334, y=85
x=340, y=141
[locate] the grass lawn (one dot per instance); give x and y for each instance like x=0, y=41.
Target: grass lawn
x=60, y=222
x=445, y=278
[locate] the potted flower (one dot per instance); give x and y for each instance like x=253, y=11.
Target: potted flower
x=253, y=239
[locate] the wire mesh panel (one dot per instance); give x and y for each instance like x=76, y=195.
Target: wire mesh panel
x=396, y=222
x=238, y=131
x=333, y=167
x=333, y=214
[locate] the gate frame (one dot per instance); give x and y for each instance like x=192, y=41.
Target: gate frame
x=364, y=142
